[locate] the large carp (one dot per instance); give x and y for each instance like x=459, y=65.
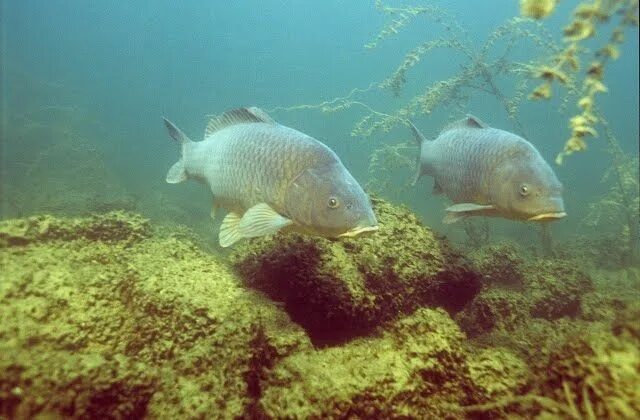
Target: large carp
x=271, y=177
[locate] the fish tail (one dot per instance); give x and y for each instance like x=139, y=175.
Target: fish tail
x=177, y=172
x=421, y=140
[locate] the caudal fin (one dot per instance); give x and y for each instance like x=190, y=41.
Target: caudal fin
x=177, y=173
x=420, y=139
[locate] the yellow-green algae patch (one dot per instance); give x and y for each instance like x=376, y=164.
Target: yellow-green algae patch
x=102, y=319
x=416, y=366
x=339, y=289
x=517, y=289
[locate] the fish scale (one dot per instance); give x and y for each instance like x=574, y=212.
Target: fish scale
x=245, y=162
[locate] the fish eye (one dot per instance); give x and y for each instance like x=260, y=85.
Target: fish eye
x=524, y=190
x=333, y=203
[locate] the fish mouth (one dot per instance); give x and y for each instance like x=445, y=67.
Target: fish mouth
x=357, y=231
x=547, y=217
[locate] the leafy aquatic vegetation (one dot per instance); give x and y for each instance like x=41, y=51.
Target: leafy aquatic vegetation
x=109, y=316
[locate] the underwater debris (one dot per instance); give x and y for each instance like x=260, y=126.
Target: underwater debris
x=340, y=289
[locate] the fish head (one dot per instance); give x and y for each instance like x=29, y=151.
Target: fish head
x=328, y=201
x=526, y=188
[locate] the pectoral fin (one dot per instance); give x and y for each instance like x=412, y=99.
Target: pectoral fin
x=462, y=210
x=261, y=220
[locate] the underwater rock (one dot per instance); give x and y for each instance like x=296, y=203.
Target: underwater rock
x=339, y=289
x=500, y=264
x=113, y=226
x=498, y=372
x=516, y=289
x=494, y=309
x=594, y=375
x=555, y=288
x=416, y=366
x=96, y=327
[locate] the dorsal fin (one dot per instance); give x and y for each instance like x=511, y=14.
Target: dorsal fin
x=237, y=116
x=467, y=122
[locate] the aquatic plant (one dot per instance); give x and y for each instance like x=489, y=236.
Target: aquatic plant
x=485, y=70
x=483, y=67
x=620, y=206
x=387, y=163
x=589, y=18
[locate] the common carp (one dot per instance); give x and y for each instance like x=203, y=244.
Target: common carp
x=486, y=171
x=271, y=177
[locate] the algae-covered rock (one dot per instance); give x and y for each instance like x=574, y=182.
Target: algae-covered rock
x=500, y=264
x=548, y=289
x=102, y=319
x=417, y=367
x=595, y=375
x=498, y=372
x=113, y=226
x=555, y=288
x=494, y=309
x=336, y=288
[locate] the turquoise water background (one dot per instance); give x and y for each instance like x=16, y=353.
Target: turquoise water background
x=113, y=69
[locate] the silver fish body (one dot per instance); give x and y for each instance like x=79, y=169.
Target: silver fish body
x=270, y=177
x=490, y=172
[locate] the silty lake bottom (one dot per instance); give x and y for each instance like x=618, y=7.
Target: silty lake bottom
x=116, y=300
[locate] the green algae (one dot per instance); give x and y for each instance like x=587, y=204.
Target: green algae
x=101, y=325
x=109, y=316
x=516, y=289
x=338, y=289
x=416, y=365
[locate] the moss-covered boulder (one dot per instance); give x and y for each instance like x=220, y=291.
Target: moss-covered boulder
x=595, y=374
x=516, y=289
x=113, y=226
x=102, y=319
x=498, y=372
x=500, y=264
x=555, y=288
x=416, y=367
x=494, y=309
x=335, y=289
